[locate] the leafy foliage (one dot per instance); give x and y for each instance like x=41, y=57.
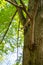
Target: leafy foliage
x=9, y=42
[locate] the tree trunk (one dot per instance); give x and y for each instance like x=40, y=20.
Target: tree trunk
x=34, y=56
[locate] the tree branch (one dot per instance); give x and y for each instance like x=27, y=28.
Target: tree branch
x=22, y=4
x=8, y=27
x=13, y=3
x=21, y=16
x=24, y=8
x=21, y=7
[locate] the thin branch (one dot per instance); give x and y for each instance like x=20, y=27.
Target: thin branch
x=13, y=3
x=21, y=7
x=21, y=16
x=30, y=17
x=22, y=4
x=24, y=8
x=8, y=27
x=35, y=11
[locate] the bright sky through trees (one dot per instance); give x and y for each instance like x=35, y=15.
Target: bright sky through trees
x=8, y=41
x=10, y=58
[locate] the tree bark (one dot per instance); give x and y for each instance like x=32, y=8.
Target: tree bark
x=34, y=56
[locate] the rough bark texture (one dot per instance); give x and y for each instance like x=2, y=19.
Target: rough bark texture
x=34, y=56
